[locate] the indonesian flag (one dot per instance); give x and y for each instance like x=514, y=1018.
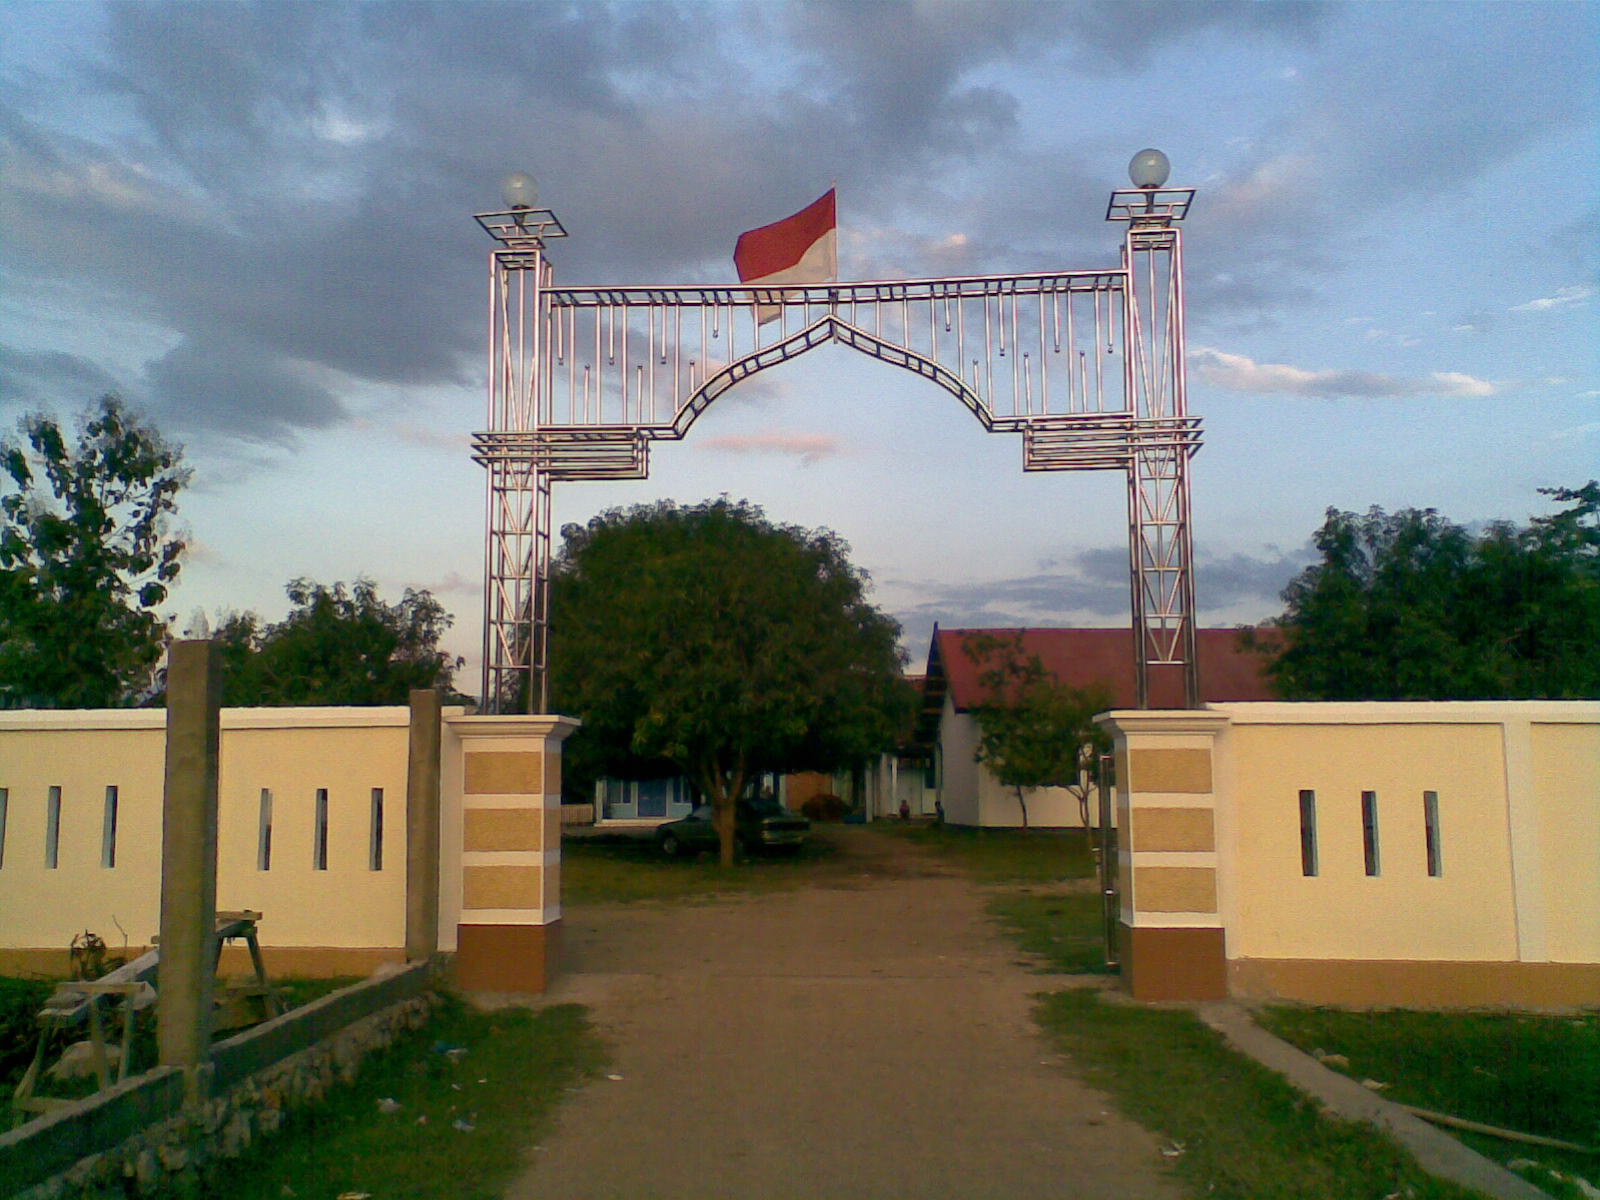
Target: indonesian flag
x=803, y=248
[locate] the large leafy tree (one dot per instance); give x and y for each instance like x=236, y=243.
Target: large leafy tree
x=1034, y=729
x=339, y=645
x=709, y=638
x=1411, y=606
x=87, y=555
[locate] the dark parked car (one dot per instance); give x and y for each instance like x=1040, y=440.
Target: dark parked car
x=759, y=825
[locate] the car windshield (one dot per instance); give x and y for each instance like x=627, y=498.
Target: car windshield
x=764, y=807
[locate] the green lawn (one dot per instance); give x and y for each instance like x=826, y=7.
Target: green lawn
x=1065, y=932
x=1537, y=1074
x=20, y=1000
x=511, y=1070
x=1236, y=1130
x=1003, y=855
x=626, y=869
x=449, y=1111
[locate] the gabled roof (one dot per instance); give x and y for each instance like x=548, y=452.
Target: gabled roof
x=1081, y=657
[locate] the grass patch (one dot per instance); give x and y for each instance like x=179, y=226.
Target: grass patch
x=1533, y=1073
x=1003, y=855
x=295, y=991
x=1066, y=932
x=20, y=1001
x=620, y=868
x=515, y=1069
x=1245, y=1133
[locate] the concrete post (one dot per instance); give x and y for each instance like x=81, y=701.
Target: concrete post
x=422, y=827
x=189, y=858
x=1171, y=939
x=508, y=909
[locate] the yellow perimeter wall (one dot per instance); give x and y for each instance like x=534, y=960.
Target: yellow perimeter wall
x=1216, y=898
x=290, y=753
x=1517, y=896
x=343, y=916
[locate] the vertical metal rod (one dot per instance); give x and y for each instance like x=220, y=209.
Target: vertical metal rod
x=1099, y=336
x=591, y=408
x=961, y=339
x=1141, y=675
x=1180, y=406
x=988, y=355
x=1082, y=404
x=1107, y=853
x=486, y=667
x=1008, y=316
x=1044, y=361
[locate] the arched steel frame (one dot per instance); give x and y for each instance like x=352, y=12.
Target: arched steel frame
x=1087, y=366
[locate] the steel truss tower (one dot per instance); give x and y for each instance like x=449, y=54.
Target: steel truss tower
x=1087, y=366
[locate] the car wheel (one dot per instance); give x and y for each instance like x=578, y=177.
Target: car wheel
x=670, y=845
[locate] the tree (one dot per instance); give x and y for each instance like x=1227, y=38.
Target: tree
x=339, y=646
x=1411, y=606
x=1034, y=730
x=706, y=637
x=87, y=555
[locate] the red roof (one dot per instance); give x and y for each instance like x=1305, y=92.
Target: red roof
x=1081, y=657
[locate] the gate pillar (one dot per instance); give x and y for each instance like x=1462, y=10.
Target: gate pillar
x=1171, y=938
x=500, y=875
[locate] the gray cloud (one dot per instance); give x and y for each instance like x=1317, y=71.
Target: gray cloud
x=1088, y=587
x=217, y=383
x=33, y=377
x=285, y=190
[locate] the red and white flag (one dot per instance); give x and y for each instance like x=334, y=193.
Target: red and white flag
x=803, y=248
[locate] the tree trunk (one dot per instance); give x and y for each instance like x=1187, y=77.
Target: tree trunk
x=1023, y=801
x=1081, y=793
x=725, y=790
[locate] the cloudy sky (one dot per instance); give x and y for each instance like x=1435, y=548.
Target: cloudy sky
x=254, y=221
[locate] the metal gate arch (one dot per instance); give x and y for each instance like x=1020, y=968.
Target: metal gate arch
x=1087, y=366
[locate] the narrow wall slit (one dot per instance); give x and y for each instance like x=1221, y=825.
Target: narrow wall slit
x=264, y=832
x=1308, y=832
x=1430, y=828
x=108, y=830
x=375, y=841
x=1369, y=832
x=319, y=853
x=52, y=828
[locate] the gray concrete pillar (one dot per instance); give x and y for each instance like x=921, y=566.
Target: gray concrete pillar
x=422, y=827
x=189, y=857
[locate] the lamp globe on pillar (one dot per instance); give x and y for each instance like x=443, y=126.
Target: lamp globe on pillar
x=520, y=191
x=1149, y=169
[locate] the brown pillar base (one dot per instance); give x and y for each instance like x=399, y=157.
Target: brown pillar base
x=1174, y=963
x=506, y=958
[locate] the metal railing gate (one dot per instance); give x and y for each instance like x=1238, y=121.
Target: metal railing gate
x=1087, y=366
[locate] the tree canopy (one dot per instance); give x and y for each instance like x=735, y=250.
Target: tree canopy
x=1411, y=606
x=339, y=645
x=87, y=554
x=1034, y=729
x=707, y=637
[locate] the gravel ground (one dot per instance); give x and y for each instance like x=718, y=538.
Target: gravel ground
x=868, y=1036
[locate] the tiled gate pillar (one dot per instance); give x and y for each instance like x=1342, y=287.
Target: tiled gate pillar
x=502, y=783
x=1172, y=940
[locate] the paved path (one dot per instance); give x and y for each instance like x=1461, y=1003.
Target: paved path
x=866, y=1037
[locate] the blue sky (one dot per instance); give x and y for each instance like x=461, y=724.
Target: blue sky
x=255, y=222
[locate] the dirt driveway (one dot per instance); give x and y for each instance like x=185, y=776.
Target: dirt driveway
x=868, y=1036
